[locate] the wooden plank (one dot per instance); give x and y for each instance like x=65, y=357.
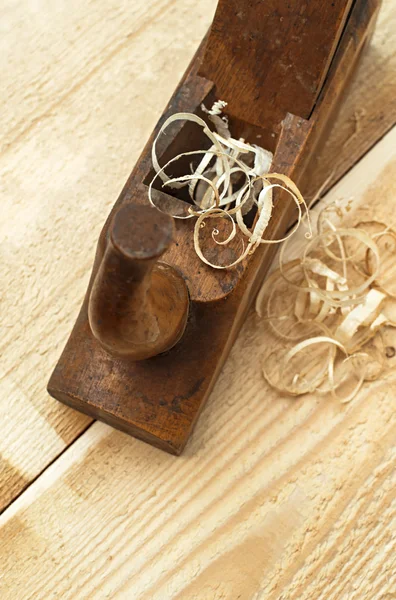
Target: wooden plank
x=50, y=51
x=369, y=109
x=84, y=85
x=274, y=498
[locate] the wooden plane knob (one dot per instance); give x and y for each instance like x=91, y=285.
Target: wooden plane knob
x=138, y=306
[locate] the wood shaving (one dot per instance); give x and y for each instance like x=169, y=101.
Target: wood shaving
x=231, y=178
x=344, y=285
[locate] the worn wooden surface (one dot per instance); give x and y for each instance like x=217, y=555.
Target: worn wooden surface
x=83, y=87
x=369, y=110
x=280, y=498
x=138, y=308
x=274, y=497
x=159, y=400
x=290, y=46
x=73, y=89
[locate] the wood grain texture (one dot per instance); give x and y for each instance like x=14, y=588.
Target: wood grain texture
x=138, y=307
x=274, y=499
x=261, y=90
x=83, y=84
x=369, y=110
x=159, y=400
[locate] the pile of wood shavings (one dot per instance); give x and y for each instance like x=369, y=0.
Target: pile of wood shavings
x=231, y=178
x=330, y=309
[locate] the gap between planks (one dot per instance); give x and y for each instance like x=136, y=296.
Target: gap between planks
x=390, y=144
x=273, y=496
x=88, y=145
x=82, y=188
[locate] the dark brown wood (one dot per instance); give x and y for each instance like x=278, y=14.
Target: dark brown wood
x=269, y=58
x=159, y=399
x=138, y=307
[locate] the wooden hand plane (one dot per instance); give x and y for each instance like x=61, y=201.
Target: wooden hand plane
x=157, y=324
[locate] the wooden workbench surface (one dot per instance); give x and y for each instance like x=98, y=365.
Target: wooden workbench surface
x=274, y=498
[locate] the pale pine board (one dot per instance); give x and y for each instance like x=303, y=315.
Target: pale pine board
x=274, y=498
x=84, y=84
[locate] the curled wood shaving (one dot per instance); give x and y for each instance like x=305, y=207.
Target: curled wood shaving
x=365, y=314
x=230, y=179
x=343, y=283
